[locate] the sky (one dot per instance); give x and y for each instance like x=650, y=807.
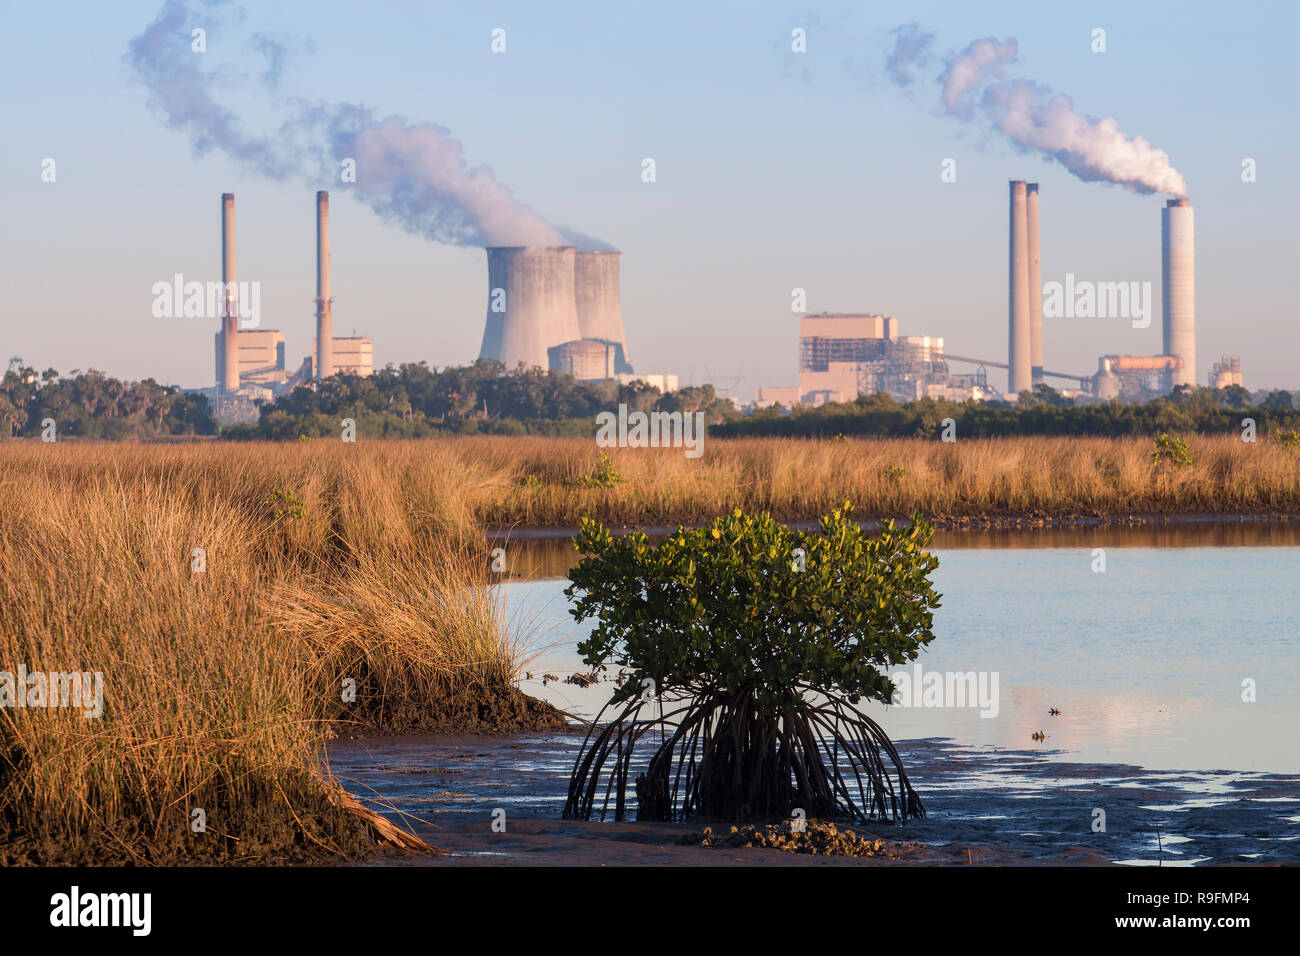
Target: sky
x=775, y=170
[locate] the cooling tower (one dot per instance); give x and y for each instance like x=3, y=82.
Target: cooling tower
x=1178, y=288
x=1020, y=375
x=228, y=374
x=324, y=321
x=595, y=289
x=531, y=305
x=1035, y=285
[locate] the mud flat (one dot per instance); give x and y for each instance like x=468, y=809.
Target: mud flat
x=985, y=806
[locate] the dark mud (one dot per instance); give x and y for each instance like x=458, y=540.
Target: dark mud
x=983, y=806
x=471, y=710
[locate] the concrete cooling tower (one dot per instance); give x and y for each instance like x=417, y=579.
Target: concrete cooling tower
x=596, y=294
x=531, y=304
x=1178, y=287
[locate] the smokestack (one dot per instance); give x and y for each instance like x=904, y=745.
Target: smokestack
x=531, y=303
x=1035, y=286
x=324, y=321
x=1178, y=287
x=1020, y=374
x=228, y=374
x=595, y=289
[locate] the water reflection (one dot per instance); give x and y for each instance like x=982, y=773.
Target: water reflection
x=548, y=553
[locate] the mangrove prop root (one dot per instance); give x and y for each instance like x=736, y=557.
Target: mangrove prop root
x=726, y=758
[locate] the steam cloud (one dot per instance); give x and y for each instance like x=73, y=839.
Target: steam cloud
x=974, y=87
x=412, y=174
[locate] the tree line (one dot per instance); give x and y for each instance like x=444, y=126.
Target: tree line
x=1041, y=412
x=415, y=400
x=93, y=405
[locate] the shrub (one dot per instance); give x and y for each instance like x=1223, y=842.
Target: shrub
x=1288, y=437
x=1172, y=449
x=748, y=645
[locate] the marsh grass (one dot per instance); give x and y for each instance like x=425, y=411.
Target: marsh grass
x=971, y=479
x=221, y=688
x=327, y=561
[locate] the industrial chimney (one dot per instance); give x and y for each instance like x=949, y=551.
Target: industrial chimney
x=595, y=287
x=1178, y=288
x=228, y=373
x=531, y=303
x=1035, y=286
x=1020, y=370
x=324, y=322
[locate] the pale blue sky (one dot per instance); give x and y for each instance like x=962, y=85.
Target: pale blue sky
x=775, y=170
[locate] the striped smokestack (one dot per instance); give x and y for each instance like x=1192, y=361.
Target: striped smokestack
x=324, y=321
x=1178, y=288
x=1020, y=375
x=1035, y=286
x=228, y=373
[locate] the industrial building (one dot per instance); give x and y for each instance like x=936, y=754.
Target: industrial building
x=844, y=355
x=351, y=355
x=1226, y=372
x=251, y=363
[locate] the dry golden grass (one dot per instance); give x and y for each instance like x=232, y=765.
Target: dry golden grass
x=220, y=687
x=328, y=560
x=801, y=479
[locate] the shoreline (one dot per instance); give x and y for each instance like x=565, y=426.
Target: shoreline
x=985, y=806
x=983, y=522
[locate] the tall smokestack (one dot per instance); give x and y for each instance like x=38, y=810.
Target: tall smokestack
x=1020, y=375
x=595, y=289
x=324, y=321
x=1178, y=287
x=228, y=374
x=531, y=304
x=1035, y=286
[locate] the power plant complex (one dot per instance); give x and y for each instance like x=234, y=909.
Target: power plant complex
x=556, y=308
x=251, y=364
x=845, y=355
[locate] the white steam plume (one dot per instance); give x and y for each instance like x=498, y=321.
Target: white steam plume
x=973, y=86
x=410, y=173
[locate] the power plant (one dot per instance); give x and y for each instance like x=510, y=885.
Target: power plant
x=251, y=364
x=531, y=303
x=845, y=355
x=555, y=308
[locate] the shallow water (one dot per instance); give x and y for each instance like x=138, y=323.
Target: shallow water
x=1146, y=660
